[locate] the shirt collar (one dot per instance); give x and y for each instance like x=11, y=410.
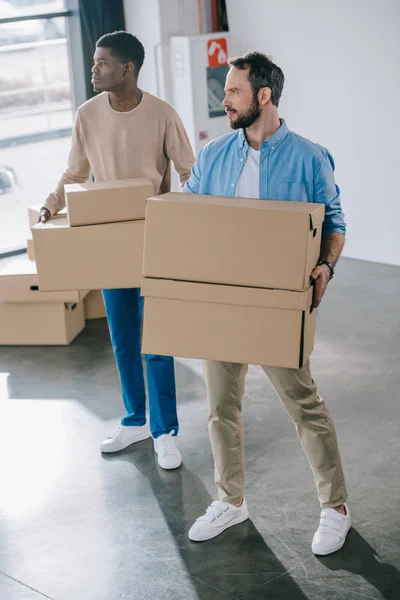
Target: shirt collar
x=272, y=141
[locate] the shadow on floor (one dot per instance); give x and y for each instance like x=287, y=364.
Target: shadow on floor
x=85, y=371
x=360, y=558
x=237, y=564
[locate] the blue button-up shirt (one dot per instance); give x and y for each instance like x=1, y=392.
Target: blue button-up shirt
x=291, y=168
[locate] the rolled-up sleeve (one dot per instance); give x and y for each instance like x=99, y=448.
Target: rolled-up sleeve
x=327, y=192
x=193, y=184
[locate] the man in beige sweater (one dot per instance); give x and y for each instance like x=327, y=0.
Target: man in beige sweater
x=124, y=133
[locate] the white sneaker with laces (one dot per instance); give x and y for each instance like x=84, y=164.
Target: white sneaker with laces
x=124, y=436
x=167, y=451
x=331, y=533
x=218, y=517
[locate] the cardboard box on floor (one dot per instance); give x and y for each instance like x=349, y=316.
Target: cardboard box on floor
x=19, y=283
x=40, y=324
x=107, y=201
x=34, y=212
x=228, y=323
x=91, y=257
x=94, y=305
x=232, y=241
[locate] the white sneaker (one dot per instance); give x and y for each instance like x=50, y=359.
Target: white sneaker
x=124, y=436
x=218, y=517
x=168, y=453
x=331, y=533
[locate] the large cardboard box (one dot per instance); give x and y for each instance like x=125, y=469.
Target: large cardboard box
x=228, y=323
x=94, y=305
x=91, y=257
x=34, y=212
x=19, y=283
x=233, y=241
x=39, y=324
x=107, y=201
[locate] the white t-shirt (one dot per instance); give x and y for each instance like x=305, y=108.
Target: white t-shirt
x=249, y=181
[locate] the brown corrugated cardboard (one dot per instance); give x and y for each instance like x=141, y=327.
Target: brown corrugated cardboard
x=34, y=212
x=39, y=324
x=91, y=257
x=19, y=283
x=30, y=249
x=233, y=241
x=228, y=323
x=107, y=201
x=94, y=305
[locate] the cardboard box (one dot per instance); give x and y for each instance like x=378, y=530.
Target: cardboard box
x=233, y=241
x=94, y=305
x=19, y=283
x=30, y=249
x=93, y=257
x=107, y=201
x=34, y=212
x=39, y=324
x=228, y=323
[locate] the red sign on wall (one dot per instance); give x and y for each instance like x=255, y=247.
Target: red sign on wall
x=217, y=51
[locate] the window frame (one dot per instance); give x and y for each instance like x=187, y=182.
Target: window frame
x=76, y=66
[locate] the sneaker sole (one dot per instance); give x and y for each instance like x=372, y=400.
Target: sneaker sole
x=236, y=521
x=335, y=548
x=130, y=443
x=169, y=468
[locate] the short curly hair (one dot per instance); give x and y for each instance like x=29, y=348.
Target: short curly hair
x=124, y=46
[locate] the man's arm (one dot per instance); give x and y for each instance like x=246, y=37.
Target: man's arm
x=331, y=249
x=192, y=186
x=177, y=147
x=78, y=171
x=333, y=229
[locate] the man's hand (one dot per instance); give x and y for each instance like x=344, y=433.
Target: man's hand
x=331, y=248
x=44, y=215
x=319, y=278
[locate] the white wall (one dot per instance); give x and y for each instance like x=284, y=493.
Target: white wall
x=341, y=63
x=153, y=22
x=142, y=18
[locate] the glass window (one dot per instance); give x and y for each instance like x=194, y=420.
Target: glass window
x=35, y=112
x=16, y=8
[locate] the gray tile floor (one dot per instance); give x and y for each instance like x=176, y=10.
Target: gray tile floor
x=78, y=526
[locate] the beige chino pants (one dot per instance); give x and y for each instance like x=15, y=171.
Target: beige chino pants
x=298, y=394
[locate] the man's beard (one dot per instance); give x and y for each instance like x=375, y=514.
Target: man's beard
x=246, y=118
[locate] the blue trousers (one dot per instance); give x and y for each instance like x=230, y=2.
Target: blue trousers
x=124, y=308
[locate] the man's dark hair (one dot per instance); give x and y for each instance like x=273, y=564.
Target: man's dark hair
x=124, y=46
x=262, y=73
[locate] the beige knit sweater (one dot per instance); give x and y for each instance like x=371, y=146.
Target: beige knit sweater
x=123, y=145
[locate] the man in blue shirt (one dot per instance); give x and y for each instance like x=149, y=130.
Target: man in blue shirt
x=263, y=159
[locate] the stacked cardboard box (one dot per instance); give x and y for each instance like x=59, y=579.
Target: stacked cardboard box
x=99, y=243
x=33, y=216
x=94, y=305
x=228, y=279
x=31, y=317
x=107, y=201
x=34, y=213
